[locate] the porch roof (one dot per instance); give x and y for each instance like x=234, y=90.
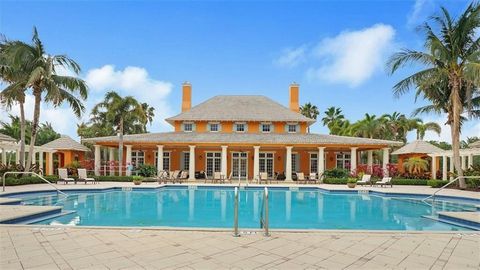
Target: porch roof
x=66, y=143
x=250, y=138
x=417, y=147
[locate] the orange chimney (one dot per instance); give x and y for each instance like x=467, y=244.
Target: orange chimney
x=294, y=106
x=186, y=96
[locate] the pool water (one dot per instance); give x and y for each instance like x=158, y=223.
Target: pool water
x=213, y=208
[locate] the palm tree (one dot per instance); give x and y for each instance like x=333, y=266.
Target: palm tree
x=333, y=117
x=450, y=56
x=149, y=114
x=369, y=127
x=423, y=127
x=14, y=93
x=46, y=83
x=120, y=110
x=416, y=165
x=309, y=110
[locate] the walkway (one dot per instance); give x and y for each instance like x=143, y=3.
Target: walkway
x=34, y=247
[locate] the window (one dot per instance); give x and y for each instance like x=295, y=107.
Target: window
x=266, y=128
x=166, y=160
x=240, y=127
x=185, y=162
x=188, y=127
x=138, y=158
x=214, y=127
x=295, y=162
x=213, y=162
x=343, y=160
x=292, y=128
x=266, y=163
x=313, y=163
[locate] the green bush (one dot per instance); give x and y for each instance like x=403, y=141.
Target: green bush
x=146, y=170
x=335, y=181
x=337, y=173
x=412, y=182
x=437, y=183
x=114, y=178
x=27, y=180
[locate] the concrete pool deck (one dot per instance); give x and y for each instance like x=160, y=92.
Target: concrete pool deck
x=43, y=247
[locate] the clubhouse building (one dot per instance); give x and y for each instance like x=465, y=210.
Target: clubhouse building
x=239, y=136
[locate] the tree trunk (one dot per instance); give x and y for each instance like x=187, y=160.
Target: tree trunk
x=455, y=129
x=36, y=116
x=120, y=148
x=22, y=133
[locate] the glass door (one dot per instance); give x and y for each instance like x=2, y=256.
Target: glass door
x=239, y=165
x=213, y=163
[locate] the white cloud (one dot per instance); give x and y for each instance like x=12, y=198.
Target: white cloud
x=420, y=10
x=291, y=57
x=352, y=57
x=134, y=81
x=469, y=129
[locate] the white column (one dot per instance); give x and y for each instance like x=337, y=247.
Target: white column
x=159, y=159
x=452, y=168
x=40, y=160
x=444, y=167
x=128, y=159
x=288, y=165
x=97, y=159
x=434, y=166
x=464, y=162
x=224, y=163
x=50, y=163
x=4, y=156
x=256, y=162
x=470, y=161
x=191, y=163
x=370, y=161
x=353, y=159
x=17, y=156
x=321, y=161
x=386, y=158
x=111, y=158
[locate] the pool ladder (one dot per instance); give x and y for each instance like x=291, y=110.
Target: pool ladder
x=34, y=174
x=263, y=215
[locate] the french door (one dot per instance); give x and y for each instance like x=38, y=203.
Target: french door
x=266, y=163
x=213, y=163
x=239, y=165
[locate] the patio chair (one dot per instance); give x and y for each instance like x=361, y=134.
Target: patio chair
x=182, y=177
x=162, y=177
x=385, y=181
x=63, y=176
x=312, y=178
x=365, y=180
x=301, y=177
x=229, y=178
x=82, y=176
x=263, y=177
x=174, y=176
x=218, y=177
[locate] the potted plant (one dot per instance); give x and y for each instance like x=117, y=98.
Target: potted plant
x=351, y=182
x=137, y=180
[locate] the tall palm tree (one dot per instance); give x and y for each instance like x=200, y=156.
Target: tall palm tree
x=46, y=83
x=416, y=165
x=14, y=93
x=369, y=127
x=333, y=117
x=309, y=110
x=423, y=127
x=149, y=114
x=451, y=56
x=117, y=110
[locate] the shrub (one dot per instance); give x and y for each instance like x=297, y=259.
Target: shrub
x=27, y=180
x=412, y=182
x=335, y=181
x=336, y=173
x=437, y=183
x=146, y=170
x=114, y=178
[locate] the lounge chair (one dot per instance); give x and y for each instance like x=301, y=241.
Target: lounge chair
x=301, y=178
x=312, y=178
x=63, y=176
x=385, y=181
x=182, y=177
x=218, y=177
x=82, y=176
x=229, y=178
x=162, y=177
x=365, y=180
x=263, y=177
x=173, y=176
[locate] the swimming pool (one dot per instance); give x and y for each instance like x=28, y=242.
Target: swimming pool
x=213, y=208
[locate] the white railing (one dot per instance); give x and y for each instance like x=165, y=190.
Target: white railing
x=446, y=185
x=35, y=174
x=235, y=214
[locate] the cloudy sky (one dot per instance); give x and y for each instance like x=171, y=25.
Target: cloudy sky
x=335, y=50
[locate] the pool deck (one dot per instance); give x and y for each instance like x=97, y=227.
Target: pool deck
x=40, y=247
x=13, y=213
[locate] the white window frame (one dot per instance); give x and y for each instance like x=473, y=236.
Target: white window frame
x=292, y=125
x=246, y=163
x=186, y=160
x=185, y=126
x=242, y=124
x=269, y=125
x=216, y=155
x=343, y=159
x=265, y=158
x=314, y=162
x=136, y=157
x=214, y=124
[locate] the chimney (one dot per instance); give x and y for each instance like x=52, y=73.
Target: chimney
x=294, y=106
x=186, y=96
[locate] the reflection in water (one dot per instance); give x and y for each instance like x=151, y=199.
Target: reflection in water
x=214, y=208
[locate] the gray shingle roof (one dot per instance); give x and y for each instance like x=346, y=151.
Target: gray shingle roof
x=66, y=143
x=418, y=147
x=474, y=144
x=6, y=138
x=253, y=138
x=240, y=108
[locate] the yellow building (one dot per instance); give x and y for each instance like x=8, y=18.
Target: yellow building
x=241, y=136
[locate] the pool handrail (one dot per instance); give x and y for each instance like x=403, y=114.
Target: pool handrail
x=235, y=214
x=35, y=174
x=265, y=222
x=446, y=185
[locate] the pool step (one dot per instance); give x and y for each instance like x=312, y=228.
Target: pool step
x=450, y=206
x=20, y=214
x=470, y=220
x=10, y=201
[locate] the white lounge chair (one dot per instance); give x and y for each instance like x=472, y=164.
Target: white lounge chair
x=385, y=181
x=300, y=177
x=218, y=177
x=182, y=177
x=263, y=177
x=365, y=180
x=82, y=176
x=162, y=177
x=63, y=176
x=312, y=178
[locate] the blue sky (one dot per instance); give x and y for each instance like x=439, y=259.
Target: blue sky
x=335, y=50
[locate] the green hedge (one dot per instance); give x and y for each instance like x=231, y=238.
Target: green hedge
x=335, y=181
x=413, y=182
x=437, y=183
x=114, y=178
x=27, y=180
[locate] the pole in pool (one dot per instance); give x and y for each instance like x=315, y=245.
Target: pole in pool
x=267, y=233
x=235, y=214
